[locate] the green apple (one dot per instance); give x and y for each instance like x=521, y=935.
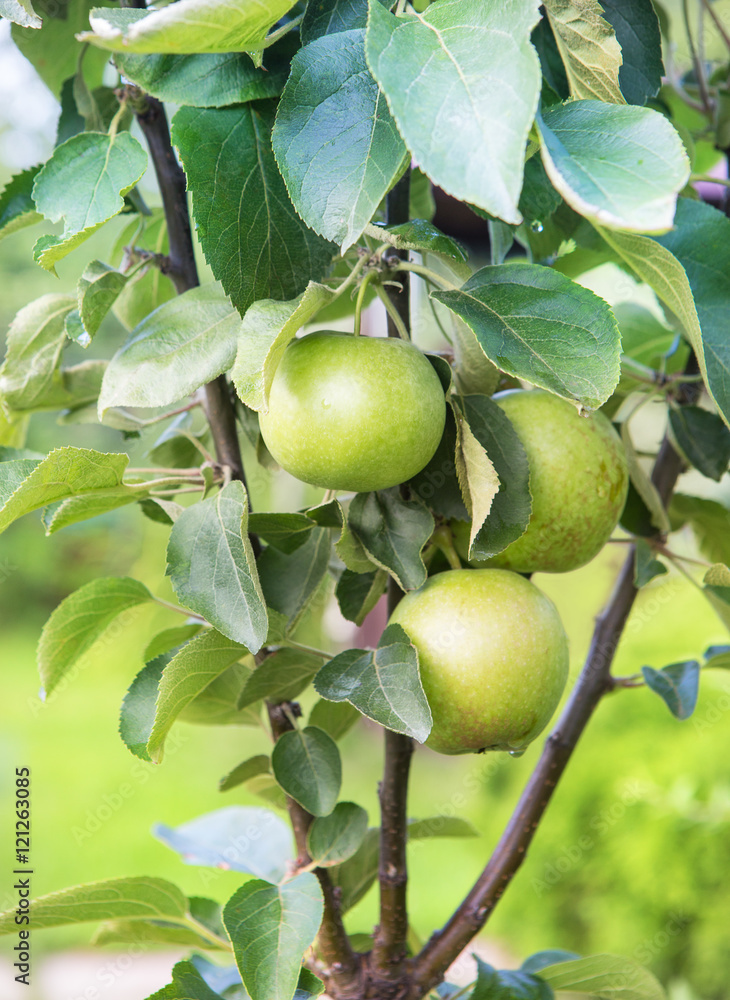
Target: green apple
x=353, y=413
x=578, y=480
x=493, y=657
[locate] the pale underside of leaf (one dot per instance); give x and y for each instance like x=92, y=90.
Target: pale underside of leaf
x=588, y=47
x=477, y=476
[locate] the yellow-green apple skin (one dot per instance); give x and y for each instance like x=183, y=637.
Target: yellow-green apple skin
x=353, y=413
x=493, y=657
x=578, y=480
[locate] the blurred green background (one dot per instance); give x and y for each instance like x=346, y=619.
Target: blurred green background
x=633, y=857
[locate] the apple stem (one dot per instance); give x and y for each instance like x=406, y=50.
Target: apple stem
x=370, y=276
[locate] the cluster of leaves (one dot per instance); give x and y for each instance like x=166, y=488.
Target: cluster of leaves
x=294, y=123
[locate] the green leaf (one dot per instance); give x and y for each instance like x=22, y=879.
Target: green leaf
x=619, y=166
x=146, y=932
x=187, y=984
x=240, y=838
x=20, y=12
x=67, y=472
x=710, y=523
x=243, y=772
x=538, y=198
x=271, y=927
x=184, y=343
x=477, y=476
x=358, y=593
x=97, y=290
x=510, y=510
x=703, y=439
x=53, y=50
x=393, y=532
x=290, y=581
x=78, y=509
x=523, y=314
x=197, y=26
x=30, y=377
x=266, y=331
x=462, y=82
x=84, y=183
x=700, y=241
x=606, y=976
x=216, y=704
x=646, y=566
x=148, y=288
x=205, y=81
x=17, y=208
x=335, y=838
x=212, y=567
x=189, y=672
x=384, y=684
x=423, y=236
x=437, y=485
x=306, y=763
x=253, y=239
x=138, y=898
x=169, y=638
x=636, y=25
x=355, y=876
x=335, y=141
x=285, y=531
x=13, y=473
x=589, y=49
x=677, y=685
x=508, y=984
x=280, y=677
x=82, y=618
x=137, y=716
x=336, y=718
x=550, y=956
x=325, y=17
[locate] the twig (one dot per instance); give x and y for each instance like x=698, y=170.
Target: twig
x=333, y=942
x=718, y=23
x=445, y=945
x=697, y=64
x=397, y=208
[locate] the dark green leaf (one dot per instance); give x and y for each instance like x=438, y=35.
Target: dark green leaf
x=355, y=876
x=423, y=236
x=551, y=956
x=271, y=927
x=438, y=485
x=636, y=25
x=538, y=199
x=212, y=567
x=383, y=684
x=358, y=593
x=335, y=141
x=335, y=838
x=325, y=17
x=677, y=685
x=205, y=81
x=508, y=984
x=700, y=241
x=523, y=314
x=511, y=507
x=251, y=768
x=17, y=208
x=284, y=531
x=81, y=619
x=290, y=581
x=241, y=838
x=187, y=984
x=138, y=708
x=190, y=671
x=703, y=438
x=256, y=245
x=307, y=765
x=336, y=718
x=393, y=532
x=280, y=677
x=467, y=128
x=551, y=63
x=646, y=566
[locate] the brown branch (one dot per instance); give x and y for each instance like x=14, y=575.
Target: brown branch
x=445, y=945
x=333, y=943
